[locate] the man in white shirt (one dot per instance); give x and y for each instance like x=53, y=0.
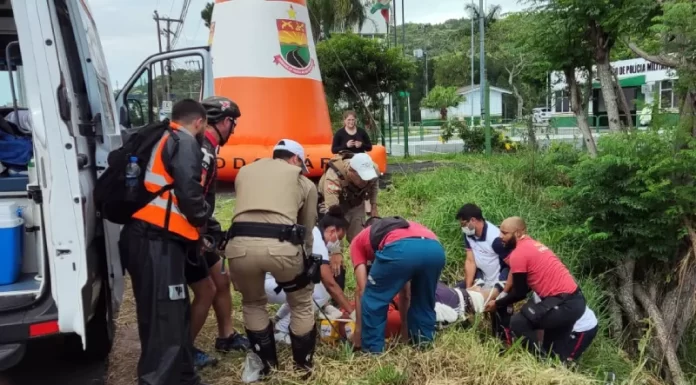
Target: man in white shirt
x=484, y=267
x=574, y=344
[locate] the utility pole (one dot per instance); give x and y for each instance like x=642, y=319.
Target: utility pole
x=482, y=85
x=403, y=28
x=473, y=51
x=169, y=33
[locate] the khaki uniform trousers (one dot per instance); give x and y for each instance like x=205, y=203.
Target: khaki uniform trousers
x=356, y=220
x=249, y=261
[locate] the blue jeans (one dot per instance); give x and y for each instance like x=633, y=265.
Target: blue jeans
x=417, y=260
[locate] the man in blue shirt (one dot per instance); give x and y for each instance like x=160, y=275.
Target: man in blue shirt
x=485, y=253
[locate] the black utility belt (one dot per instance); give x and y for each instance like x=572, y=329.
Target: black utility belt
x=294, y=234
x=565, y=296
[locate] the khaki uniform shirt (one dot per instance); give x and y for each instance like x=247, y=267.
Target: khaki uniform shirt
x=274, y=191
x=342, y=192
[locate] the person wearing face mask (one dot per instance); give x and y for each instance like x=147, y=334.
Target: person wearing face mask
x=329, y=231
x=207, y=278
x=485, y=266
x=351, y=138
x=534, y=266
x=157, y=243
x=274, y=214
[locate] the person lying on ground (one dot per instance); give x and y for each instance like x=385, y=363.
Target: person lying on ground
x=574, y=344
x=406, y=258
x=484, y=266
x=534, y=266
x=320, y=296
x=453, y=304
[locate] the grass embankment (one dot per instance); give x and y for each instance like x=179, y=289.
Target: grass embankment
x=459, y=356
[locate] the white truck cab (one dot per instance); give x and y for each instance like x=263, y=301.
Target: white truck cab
x=58, y=96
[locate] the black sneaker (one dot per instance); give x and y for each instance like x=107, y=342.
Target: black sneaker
x=235, y=341
x=201, y=359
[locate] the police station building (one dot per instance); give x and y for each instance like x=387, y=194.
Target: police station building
x=643, y=83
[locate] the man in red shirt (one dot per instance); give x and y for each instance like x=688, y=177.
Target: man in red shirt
x=534, y=266
x=405, y=258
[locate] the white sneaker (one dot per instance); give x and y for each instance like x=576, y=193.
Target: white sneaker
x=331, y=312
x=282, y=338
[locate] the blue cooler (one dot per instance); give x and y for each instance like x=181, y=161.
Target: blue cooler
x=11, y=243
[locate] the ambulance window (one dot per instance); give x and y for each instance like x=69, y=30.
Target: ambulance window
x=183, y=79
x=138, y=100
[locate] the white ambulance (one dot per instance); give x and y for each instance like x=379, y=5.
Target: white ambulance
x=60, y=273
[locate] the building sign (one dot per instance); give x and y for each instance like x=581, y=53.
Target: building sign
x=638, y=68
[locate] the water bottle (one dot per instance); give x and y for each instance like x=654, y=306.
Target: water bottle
x=132, y=174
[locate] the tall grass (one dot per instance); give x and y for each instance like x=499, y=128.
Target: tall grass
x=460, y=355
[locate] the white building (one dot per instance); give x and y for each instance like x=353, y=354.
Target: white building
x=471, y=106
x=643, y=83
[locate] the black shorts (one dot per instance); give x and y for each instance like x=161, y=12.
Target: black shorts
x=198, y=267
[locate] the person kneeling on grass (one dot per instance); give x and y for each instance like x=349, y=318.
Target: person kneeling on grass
x=534, y=266
x=407, y=259
x=573, y=345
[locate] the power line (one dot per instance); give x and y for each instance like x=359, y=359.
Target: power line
x=182, y=17
x=168, y=33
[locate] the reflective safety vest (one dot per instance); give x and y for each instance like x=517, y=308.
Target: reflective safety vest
x=156, y=177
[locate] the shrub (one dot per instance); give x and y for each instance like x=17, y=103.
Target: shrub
x=474, y=138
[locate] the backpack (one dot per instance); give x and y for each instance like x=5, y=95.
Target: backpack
x=110, y=192
x=384, y=226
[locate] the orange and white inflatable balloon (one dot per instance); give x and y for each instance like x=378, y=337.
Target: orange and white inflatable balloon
x=264, y=58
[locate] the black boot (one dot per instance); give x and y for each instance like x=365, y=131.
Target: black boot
x=263, y=344
x=303, y=348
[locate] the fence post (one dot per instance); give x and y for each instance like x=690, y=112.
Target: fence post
x=406, y=125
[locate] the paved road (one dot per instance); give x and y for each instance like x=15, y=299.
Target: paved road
x=431, y=145
x=47, y=364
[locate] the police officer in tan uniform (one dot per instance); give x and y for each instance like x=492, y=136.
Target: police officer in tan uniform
x=274, y=214
x=348, y=180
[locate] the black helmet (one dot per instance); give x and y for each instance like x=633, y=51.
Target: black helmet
x=220, y=107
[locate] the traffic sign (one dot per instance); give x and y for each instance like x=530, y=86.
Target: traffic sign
x=167, y=106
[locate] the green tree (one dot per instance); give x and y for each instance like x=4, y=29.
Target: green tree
x=207, y=14
x=361, y=72
x=441, y=98
x=452, y=70
x=490, y=17
x=509, y=47
x=568, y=52
x=669, y=41
x=637, y=212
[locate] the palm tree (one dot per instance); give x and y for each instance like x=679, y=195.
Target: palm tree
x=441, y=98
x=329, y=16
x=489, y=18
x=326, y=16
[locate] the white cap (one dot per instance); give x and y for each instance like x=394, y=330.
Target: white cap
x=364, y=166
x=293, y=147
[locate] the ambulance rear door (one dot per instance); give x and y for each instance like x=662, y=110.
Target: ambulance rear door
x=162, y=80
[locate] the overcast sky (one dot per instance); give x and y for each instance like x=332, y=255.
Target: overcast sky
x=128, y=31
